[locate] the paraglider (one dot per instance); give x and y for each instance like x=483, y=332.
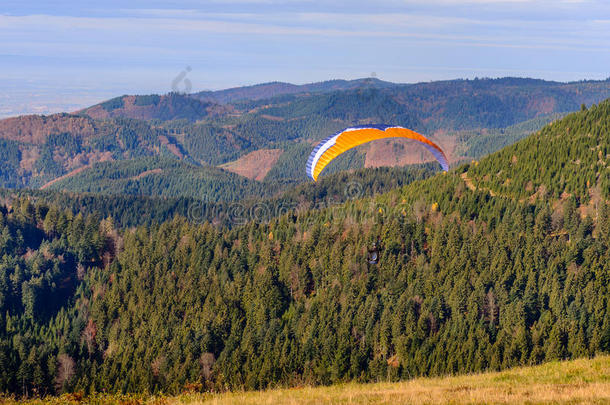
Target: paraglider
x=349, y=138
x=373, y=256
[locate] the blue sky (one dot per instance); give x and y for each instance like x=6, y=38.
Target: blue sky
x=64, y=54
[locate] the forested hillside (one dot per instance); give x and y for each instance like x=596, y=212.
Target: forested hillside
x=478, y=143
x=473, y=275
x=467, y=118
x=167, y=177
x=575, y=165
x=128, y=210
x=171, y=106
x=37, y=150
x=268, y=90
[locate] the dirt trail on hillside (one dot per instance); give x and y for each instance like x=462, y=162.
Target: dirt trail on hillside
x=468, y=182
x=472, y=186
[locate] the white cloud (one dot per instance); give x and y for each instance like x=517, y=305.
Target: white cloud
x=457, y=30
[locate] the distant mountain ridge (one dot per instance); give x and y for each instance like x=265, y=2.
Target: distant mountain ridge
x=273, y=89
x=467, y=118
x=146, y=107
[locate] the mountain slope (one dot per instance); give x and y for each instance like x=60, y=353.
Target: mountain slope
x=165, y=107
x=129, y=210
x=39, y=149
x=297, y=296
x=34, y=129
x=467, y=280
x=478, y=143
x=569, y=157
x=154, y=176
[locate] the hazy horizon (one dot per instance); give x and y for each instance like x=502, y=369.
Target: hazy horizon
x=70, y=54
x=44, y=100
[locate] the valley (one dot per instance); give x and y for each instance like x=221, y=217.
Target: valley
x=496, y=264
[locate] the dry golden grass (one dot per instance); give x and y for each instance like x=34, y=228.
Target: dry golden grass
x=581, y=381
x=584, y=381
